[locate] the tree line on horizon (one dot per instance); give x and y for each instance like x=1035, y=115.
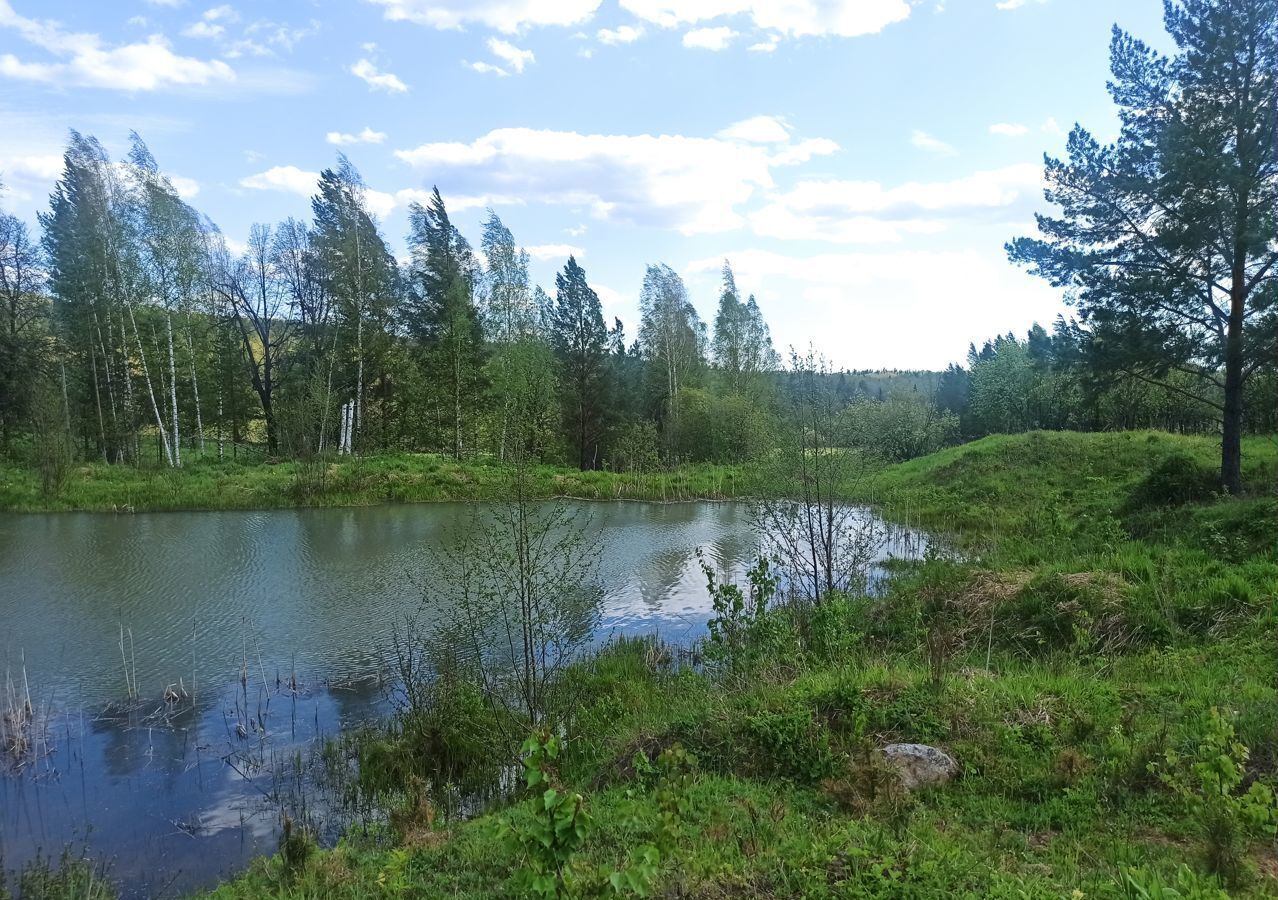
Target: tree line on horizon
x=131, y=332
x=132, y=328
x=134, y=334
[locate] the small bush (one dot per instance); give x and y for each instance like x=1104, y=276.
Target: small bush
x=296, y=847
x=1048, y=615
x=1178, y=479
x=833, y=631
x=788, y=744
x=1210, y=782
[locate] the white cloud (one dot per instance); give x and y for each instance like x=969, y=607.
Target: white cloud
x=803, y=151
x=512, y=56
x=486, y=68
x=82, y=59
x=623, y=34
x=367, y=136
x=186, y=187
x=765, y=46
x=203, y=29
x=286, y=36
x=376, y=79
x=554, y=251
x=710, y=38
x=758, y=130
x=693, y=184
x=839, y=18
x=1051, y=126
x=1014, y=4
x=46, y=167
x=576, y=230
x=27, y=173
x=507, y=16
x=223, y=13
x=867, y=212
x=925, y=141
x=290, y=179
x=1008, y=129
x=480, y=201
x=950, y=298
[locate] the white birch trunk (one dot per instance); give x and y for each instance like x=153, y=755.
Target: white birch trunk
x=146, y=373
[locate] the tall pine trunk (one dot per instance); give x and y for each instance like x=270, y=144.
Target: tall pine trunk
x=1231, y=426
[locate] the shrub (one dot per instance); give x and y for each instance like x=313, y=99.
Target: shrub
x=296, y=847
x=73, y=878
x=1048, y=614
x=1178, y=479
x=634, y=448
x=739, y=627
x=547, y=841
x=787, y=743
x=832, y=631
x=1209, y=781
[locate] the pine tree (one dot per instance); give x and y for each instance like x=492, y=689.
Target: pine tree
x=1166, y=240
x=581, y=343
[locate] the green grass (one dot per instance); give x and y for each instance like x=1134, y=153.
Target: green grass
x=1046, y=494
x=1088, y=635
x=398, y=478
x=1089, y=630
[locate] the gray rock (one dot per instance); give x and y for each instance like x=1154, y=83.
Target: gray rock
x=920, y=765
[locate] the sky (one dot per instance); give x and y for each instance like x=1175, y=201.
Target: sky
x=860, y=163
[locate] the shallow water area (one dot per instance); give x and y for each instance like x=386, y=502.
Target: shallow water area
x=267, y=631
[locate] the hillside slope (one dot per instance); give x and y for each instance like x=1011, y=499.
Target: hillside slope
x=1086, y=630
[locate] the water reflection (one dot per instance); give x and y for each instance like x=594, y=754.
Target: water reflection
x=234, y=606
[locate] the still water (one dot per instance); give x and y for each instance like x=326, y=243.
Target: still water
x=278, y=623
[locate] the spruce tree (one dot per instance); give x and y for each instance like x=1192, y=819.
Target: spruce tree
x=581, y=342
x=442, y=316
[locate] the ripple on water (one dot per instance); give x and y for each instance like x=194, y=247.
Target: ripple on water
x=207, y=593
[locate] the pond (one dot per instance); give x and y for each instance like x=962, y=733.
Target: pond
x=278, y=625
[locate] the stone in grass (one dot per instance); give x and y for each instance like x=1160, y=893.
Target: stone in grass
x=920, y=765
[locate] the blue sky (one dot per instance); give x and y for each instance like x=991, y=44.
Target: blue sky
x=860, y=162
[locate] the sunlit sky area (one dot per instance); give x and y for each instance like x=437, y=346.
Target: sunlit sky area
x=859, y=162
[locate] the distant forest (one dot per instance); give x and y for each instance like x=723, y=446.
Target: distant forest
x=132, y=333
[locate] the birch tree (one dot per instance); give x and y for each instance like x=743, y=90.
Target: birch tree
x=673, y=340
x=360, y=276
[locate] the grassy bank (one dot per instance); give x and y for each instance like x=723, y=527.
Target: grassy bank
x=1091, y=628
x=399, y=478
